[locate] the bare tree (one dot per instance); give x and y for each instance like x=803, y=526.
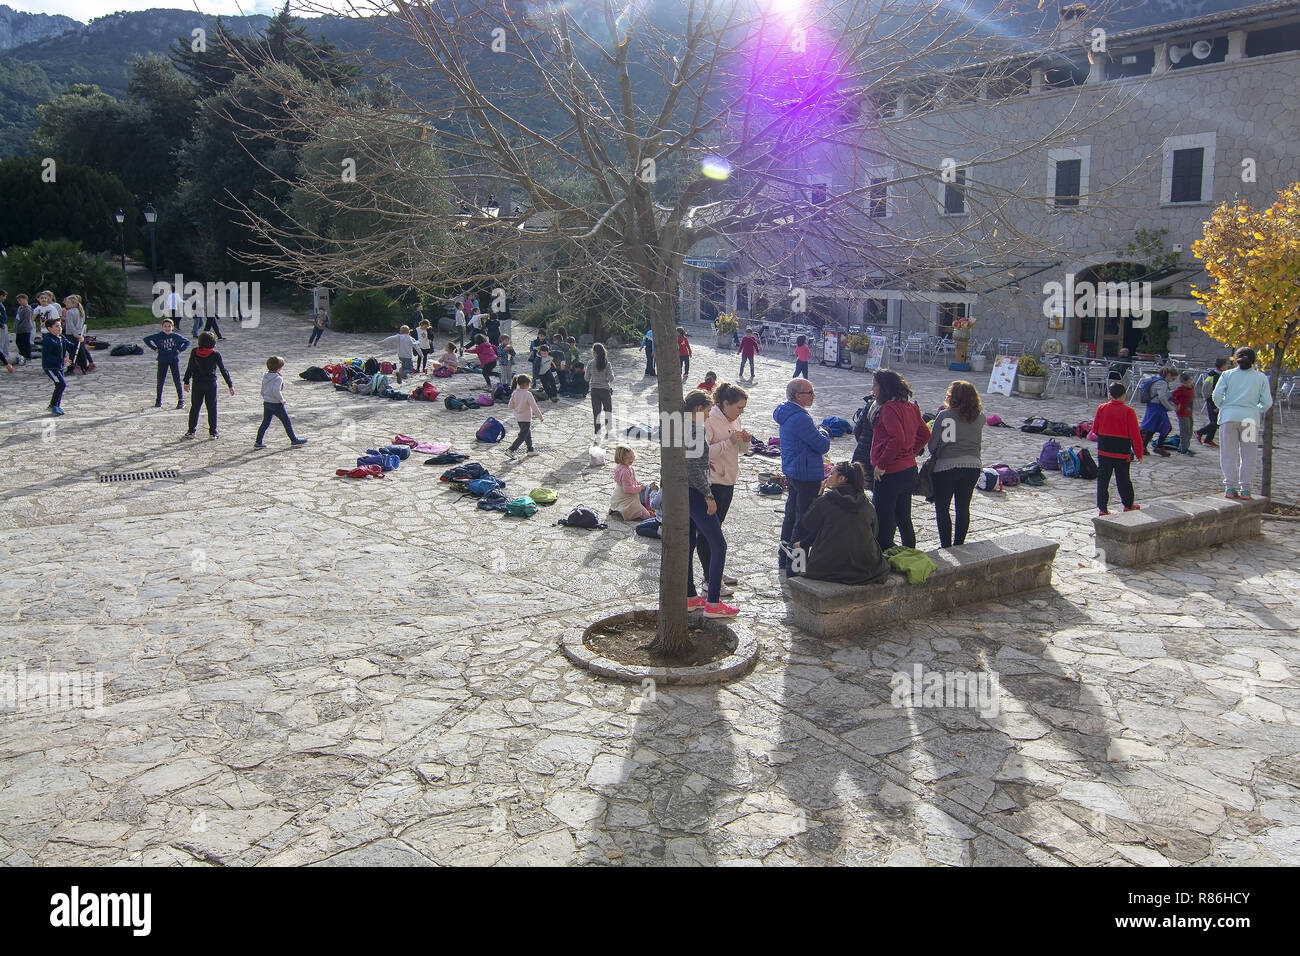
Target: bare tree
x=629, y=135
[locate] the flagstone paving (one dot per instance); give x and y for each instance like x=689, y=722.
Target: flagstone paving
x=301, y=669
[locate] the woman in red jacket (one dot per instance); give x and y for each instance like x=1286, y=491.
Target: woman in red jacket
x=900, y=434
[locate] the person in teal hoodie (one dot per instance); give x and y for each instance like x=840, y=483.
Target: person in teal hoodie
x=1243, y=397
x=803, y=445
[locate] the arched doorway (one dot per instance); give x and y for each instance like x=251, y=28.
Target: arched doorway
x=1097, y=327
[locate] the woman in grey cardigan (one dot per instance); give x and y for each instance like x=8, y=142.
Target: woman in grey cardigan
x=955, y=438
x=601, y=376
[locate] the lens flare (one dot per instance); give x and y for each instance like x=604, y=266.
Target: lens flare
x=715, y=167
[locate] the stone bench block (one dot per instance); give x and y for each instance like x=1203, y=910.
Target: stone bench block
x=969, y=574
x=1166, y=529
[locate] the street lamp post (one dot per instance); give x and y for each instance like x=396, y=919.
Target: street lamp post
x=151, y=216
x=121, y=235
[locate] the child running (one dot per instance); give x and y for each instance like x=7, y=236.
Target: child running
x=1183, y=397
x=802, y=353
x=525, y=408
x=273, y=404
x=319, y=321
x=631, y=498
x=1119, y=440
x=205, y=363
x=56, y=352
x=406, y=347
x=486, y=355
x=169, y=345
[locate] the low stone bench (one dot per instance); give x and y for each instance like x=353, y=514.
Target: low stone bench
x=967, y=574
x=1165, y=529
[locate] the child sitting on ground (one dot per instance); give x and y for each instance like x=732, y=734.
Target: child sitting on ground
x=1183, y=397
x=631, y=498
x=710, y=380
x=448, y=363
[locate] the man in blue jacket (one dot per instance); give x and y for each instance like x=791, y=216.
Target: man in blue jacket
x=169, y=345
x=802, y=446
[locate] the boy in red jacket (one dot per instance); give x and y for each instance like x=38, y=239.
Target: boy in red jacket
x=748, y=349
x=1118, y=441
x=1182, y=397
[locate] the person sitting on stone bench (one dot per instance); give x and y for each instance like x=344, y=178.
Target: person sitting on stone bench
x=840, y=532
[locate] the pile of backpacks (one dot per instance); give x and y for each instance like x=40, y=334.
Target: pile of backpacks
x=471, y=479
x=377, y=462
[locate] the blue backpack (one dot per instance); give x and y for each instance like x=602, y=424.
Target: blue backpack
x=491, y=431
x=502, y=392
x=836, y=427
x=1070, y=463
x=401, y=451
x=481, y=486
x=494, y=500
x=1144, y=388
x=372, y=457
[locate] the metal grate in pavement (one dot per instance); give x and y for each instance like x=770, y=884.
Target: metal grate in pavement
x=140, y=475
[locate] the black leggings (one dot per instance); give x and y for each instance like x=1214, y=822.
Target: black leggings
x=487, y=373
x=1211, y=427
x=953, y=485
x=893, y=501
x=203, y=393
x=722, y=495
x=602, y=399
x=686, y=365
x=1107, y=466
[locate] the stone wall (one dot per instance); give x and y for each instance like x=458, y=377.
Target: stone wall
x=1167, y=530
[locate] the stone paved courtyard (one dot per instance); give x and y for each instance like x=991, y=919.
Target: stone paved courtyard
x=301, y=669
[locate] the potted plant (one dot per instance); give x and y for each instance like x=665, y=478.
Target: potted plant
x=859, y=347
x=726, y=325
x=1031, y=378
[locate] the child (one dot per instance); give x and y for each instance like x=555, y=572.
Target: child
x=549, y=372
x=319, y=321
x=801, y=356
x=704, y=511
x=1155, y=422
x=169, y=347
x=56, y=349
x=273, y=404
x=205, y=363
x=710, y=380
x=74, y=322
x=601, y=376
x=684, y=351
x=448, y=363
x=631, y=498
x=406, y=347
x=1118, y=440
x=24, y=327
x=525, y=408
x=422, y=336
x=506, y=360
x=571, y=354
x=748, y=349
x=1205, y=434
x=487, y=357
x=576, y=384
x=1182, y=398
x=538, y=341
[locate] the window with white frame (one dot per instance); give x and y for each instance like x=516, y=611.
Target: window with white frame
x=1187, y=174
x=1067, y=176
x=954, y=193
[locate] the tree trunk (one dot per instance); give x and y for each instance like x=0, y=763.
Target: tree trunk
x=1266, y=466
x=672, y=638
x=593, y=323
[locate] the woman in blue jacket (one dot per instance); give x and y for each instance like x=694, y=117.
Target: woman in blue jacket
x=1243, y=397
x=803, y=446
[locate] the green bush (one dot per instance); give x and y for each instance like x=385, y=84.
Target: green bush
x=60, y=266
x=368, y=310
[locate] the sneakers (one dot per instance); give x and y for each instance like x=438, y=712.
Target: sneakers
x=180, y=404
x=511, y=455
x=1200, y=439
x=1186, y=451
x=188, y=435
x=1101, y=513
x=1210, y=443
x=720, y=610
x=1232, y=493
x=214, y=435
x=699, y=601
x=723, y=590
x=1132, y=507
x=728, y=579
x=260, y=444
x=157, y=404
x=56, y=410
x=297, y=442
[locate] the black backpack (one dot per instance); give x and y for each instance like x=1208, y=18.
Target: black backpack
x=1087, y=464
x=315, y=374
x=582, y=518
x=454, y=404
x=446, y=458
x=371, y=366
x=126, y=350
x=464, y=473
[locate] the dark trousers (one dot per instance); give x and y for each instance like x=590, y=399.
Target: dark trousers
x=422, y=360
x=743, y=360
x=800, y=368
x=25, y=345
x=1119, y=467
x=210, y=325
x=488, y=367
x=549, y=385
x=1211, y=427
x=316, y=332
x=602, y=399
x=649, y=359
x=893, y=501
x=60, y=383
x=525, y=436
x=722, y=495
x=174, y=367
x=686, y=365
x=272, y=410
x=707, y=528
x=955, y=485
x=204, y=393
x=797, y=500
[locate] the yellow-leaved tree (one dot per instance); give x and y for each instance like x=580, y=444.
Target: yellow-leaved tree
x=1253, y=258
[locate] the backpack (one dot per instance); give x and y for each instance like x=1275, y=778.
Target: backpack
x=1049, y=455
x=401, y=451
x=523, y=507
x=989, y=481
x=494, y=500
x=484, y=400
x=1083, y=429
x=502, y=392
x=446, y=458
x=481, y=486
x=443, y=371
x=454, y=404
x=836, y=426
x=1144, y=388
x=1032, y=475
x=425, y=392
x=639, y=431
x=1087, y=464
x=582, y=518
x=386, y=462
x=137, y=350
x=650, y=528
x=543, y=496
x=386, y=368
x=491, y=431
x=1069, y=460
x=1034, y=425
x=1009, y=476
x=370, y=366
x=1207, y=383
x=466, y=472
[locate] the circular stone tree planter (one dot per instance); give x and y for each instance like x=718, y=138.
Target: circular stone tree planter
x=736, y=657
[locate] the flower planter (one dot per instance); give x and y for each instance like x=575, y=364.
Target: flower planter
x=859, y=361
x=725, y=340
x=979, y=363
x=1031, y=386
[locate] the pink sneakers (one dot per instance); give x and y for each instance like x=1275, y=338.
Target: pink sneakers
x=699, y=601
x=720, y=610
